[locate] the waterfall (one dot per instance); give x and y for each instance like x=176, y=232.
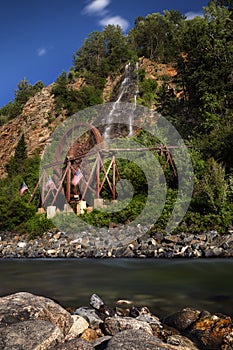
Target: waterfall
x=125, y=91
x=136, y=92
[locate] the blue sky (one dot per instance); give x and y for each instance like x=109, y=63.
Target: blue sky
x=39, y=37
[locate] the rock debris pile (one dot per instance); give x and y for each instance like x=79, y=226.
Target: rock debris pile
x=90, y=244
x=28, y=321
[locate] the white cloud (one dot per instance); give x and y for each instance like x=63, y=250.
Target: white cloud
x=115, y=20
x=42, y=51
x=191, y=14
x=96, y=6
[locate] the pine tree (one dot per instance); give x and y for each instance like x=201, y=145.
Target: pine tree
x=16, y=163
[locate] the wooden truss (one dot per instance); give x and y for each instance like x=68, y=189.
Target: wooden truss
x=99, y=176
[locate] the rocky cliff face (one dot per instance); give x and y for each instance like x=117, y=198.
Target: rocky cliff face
x=38, y=118
x=36, y=121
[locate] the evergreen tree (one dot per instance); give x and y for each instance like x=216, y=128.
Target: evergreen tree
x=22, y=94
x=227, y=3
x=16, y=164
x=21, y=150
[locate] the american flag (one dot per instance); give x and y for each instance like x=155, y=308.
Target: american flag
x=77, y=177
x=50, y=184
x=23, y=189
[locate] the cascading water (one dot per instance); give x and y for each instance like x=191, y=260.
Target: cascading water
x=128, y=88
x=136, y=92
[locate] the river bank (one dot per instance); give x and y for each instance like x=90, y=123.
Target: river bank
x=56, y=244
x=29, y=321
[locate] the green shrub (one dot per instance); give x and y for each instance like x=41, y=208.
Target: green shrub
x=37, y=225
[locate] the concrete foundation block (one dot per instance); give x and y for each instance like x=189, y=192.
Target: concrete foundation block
x=51, y=211
x=98, y=203
x=81, y=206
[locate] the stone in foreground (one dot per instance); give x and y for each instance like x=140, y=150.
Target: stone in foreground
x=138, y=340
x=24, y=306
x=28, y=335
x=75, y=344
x=113, y=325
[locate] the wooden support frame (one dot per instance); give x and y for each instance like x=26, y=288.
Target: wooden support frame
x=95, y=174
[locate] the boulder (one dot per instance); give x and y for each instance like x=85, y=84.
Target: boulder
x=163, y=331
x=89, y=335
x=138, y=340
x=28, y=335
x=74, y=344
x=142, y=313
x=102, y=310
x=182, y=342
x=211, y=331
x=101, y=343
x=77, y=328
x=182, y=319
x=24, y=306
x=96, y=302
x=113, y=325
x=90, y=315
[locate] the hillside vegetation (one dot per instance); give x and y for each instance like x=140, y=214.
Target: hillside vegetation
x=197, y=98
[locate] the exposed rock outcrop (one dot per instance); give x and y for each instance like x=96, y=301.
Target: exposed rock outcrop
x=36, y=122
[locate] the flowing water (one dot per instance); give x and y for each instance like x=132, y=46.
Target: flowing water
x=165, y=286
x=128, y=92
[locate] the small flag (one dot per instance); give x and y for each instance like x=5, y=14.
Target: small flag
x=50, y=184
x=23, y=189
x=77, y=177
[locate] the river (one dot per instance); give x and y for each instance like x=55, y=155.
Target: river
x=165, y=286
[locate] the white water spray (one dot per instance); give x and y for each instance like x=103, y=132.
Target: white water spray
x=136, y=92
x=125, y=88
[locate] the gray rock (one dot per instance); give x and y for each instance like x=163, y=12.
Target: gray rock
x=138, y=340
x=101, y=342
x=188, y=239
x=213, y=251
x=118, y=242
x=24, y=306
x=28, y=335
x=182, y=342
x=90, y=315
x=183, y=318
x=151, y=319
x=75, y=344
x=212, y=235
x=113, y=325
x=102, y=310
x=96, y=302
